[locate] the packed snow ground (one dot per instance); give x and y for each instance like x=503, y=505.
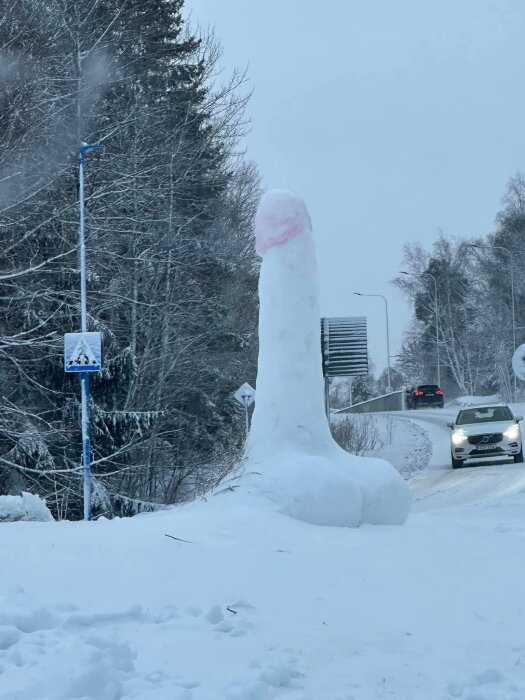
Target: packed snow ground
x=249, y=604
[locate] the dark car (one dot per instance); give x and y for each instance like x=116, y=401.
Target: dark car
x=424, y=395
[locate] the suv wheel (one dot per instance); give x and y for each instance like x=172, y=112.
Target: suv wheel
x=519, y=456
x=457, y=463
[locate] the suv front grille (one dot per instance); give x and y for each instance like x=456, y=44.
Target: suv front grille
x=487, y=439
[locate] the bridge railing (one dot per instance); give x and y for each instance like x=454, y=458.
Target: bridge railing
x=388, y=402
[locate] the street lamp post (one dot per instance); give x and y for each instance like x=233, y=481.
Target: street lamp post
x=84, y=376
x=512, y=298
x=436, y=312
x=359, y=294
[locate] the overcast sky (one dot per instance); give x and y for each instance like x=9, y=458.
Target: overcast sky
x=392, y=119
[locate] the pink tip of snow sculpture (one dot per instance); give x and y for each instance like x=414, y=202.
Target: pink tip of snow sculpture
x=280, y=217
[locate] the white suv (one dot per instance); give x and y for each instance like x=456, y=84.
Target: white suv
x=485, y=431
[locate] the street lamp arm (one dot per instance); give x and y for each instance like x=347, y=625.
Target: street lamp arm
x=87, y=148
x=490, y=247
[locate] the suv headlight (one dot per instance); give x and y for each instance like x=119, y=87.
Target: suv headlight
x=458, y=437
x=512, y=432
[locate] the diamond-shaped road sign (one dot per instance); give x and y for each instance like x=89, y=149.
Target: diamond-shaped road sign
x=245, y=395
x=82, y=352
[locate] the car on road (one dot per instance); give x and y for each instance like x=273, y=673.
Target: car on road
x=485, y=431
x=424, y=395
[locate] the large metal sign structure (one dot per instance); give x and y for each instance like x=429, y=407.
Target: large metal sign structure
x=344, y=346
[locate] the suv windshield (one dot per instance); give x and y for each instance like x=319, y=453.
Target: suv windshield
x=427, y=387
x=483, y=415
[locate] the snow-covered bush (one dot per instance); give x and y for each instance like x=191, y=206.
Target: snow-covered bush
x=358, y=435
x=27, y=506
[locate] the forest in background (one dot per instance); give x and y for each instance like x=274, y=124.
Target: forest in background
x=172, y=275
x=467, y=285
x=172, y=281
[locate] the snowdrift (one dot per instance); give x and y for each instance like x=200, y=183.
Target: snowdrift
x=462, y=401
x=24, y=507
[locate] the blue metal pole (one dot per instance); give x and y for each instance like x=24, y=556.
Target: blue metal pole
x=86, y=444
x=84, y=376
x=82, y=243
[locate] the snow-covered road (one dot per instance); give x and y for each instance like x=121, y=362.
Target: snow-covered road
x=439, y=486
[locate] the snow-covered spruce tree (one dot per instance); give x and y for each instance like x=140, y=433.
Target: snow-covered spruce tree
x=172, y=284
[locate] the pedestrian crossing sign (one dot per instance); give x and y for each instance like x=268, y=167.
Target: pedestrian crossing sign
x=82, y=352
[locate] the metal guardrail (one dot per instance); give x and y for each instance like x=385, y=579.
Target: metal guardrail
x=388, y=402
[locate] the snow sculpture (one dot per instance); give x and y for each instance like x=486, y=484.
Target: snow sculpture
x=301, y=467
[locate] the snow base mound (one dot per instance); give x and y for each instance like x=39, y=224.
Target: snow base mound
x=344, y=492
x=27, y=506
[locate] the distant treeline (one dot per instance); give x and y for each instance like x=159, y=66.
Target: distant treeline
x=476, y=315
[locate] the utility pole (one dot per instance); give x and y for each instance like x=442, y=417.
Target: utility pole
x=84, y=376
x=359, y=294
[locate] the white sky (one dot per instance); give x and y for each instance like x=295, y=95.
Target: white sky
x=392, y=119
